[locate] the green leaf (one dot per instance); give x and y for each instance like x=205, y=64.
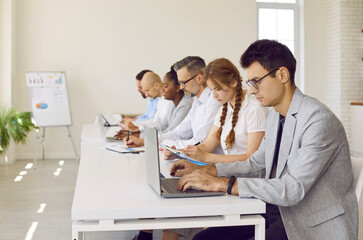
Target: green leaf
x=14, y=125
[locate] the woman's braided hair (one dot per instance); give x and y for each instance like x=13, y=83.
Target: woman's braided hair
x=223, y=72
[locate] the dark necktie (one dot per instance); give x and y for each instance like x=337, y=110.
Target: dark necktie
x=277, y=147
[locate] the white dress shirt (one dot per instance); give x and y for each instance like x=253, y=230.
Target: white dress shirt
x=168, y=116
x=251, y=118
x=196, y=125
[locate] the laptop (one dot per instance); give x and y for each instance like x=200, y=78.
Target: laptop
x=109, y=120
x=165, y=187
x=108, y=133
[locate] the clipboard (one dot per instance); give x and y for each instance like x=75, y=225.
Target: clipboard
x=183, y=155
x=123, y=149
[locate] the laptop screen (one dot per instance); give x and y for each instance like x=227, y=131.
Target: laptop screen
x=152, y=158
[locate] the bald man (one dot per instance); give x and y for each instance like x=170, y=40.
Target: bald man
x=152, y=86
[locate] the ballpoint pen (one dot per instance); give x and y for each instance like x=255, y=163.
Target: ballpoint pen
x=128, y=136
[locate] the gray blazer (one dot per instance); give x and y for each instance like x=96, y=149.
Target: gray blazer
x=313, y=185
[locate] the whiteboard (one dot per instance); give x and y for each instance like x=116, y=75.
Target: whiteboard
x=49, y=98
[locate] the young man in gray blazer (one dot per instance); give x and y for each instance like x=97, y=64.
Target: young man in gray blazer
x=302, y=169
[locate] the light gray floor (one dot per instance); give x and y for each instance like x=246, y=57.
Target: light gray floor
x=20, y=201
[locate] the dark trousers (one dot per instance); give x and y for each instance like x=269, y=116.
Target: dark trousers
x=274, y=229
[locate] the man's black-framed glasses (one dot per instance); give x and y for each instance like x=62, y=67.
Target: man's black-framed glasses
x=254, y=82
x=185, y=82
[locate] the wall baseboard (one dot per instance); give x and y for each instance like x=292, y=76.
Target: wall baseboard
x=10, y=159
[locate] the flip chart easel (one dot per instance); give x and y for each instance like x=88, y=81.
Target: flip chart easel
x=49, y=103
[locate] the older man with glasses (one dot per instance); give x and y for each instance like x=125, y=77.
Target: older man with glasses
x=196, y=125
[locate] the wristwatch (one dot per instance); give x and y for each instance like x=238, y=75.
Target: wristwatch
x=230, y=184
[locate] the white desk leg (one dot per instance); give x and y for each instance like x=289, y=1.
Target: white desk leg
x=74, y=234
x=260, y=230
x=77, y=235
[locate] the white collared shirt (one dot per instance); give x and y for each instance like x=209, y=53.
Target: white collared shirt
x=168, y=116
x=196, y=125
x=251, y=118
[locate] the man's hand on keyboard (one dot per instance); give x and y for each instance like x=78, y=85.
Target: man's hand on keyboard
x=204, y=181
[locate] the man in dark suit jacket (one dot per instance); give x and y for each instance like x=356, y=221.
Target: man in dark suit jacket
x=302, y=169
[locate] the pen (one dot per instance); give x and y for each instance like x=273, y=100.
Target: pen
x=197, y=144
x=128, y=136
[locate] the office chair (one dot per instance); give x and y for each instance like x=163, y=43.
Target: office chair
x=357, y=165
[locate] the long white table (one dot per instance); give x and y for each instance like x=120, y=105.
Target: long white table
x=112, y=194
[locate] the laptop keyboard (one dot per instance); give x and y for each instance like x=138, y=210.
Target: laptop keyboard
x=170, y=185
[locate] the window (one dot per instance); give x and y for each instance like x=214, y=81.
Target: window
x=278, y=20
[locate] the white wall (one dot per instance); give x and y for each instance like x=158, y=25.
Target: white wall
x=315, y=48
x=102, y=45
x=7, y=19
x=5, y=53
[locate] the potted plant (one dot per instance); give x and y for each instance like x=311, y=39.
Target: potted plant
x=14, y=125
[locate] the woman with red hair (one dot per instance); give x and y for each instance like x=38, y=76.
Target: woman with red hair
x=240, y=123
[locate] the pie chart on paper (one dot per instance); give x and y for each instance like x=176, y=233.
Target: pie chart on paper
x=41, y=105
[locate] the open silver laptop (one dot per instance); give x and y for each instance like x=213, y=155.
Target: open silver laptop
x=107, y=133
x=165, y=187
x=109, y=120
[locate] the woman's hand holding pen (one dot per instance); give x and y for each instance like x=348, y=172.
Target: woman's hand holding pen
x=195, y=152
x=133, y=141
